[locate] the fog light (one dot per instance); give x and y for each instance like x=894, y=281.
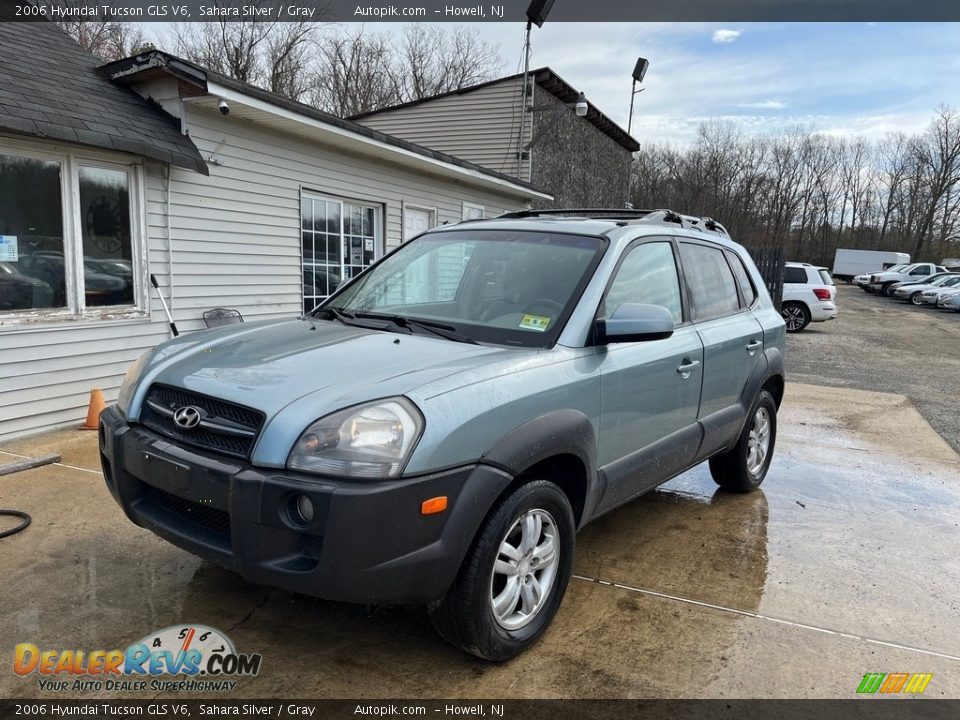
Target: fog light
x=301, y=510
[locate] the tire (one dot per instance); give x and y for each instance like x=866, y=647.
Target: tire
x=737, y=469
x=465, y=616
x=795, y=315
x=867, y=289
x=885, y=289
x=915, y=299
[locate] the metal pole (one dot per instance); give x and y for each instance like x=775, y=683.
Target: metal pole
x=523, y=101
x=633, y=94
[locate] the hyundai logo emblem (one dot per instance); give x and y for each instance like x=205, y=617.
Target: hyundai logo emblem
x=187, y=417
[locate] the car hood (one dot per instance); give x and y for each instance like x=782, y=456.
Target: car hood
x=268, y=366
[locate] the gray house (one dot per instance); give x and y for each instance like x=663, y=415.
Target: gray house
x=109, y=174
x=581, y=161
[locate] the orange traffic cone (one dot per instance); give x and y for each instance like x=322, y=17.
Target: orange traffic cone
x=93, y=410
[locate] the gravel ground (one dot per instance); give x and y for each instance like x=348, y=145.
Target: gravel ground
x=885, y=345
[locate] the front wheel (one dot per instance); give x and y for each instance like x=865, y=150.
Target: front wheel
x=513, y=578
x=915, y=299
x=885, y=289
x=744, y=467
x=795, y=315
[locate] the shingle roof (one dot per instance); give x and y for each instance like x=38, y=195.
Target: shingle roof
x=547, y=79
x=50, y=87
x=140, y=67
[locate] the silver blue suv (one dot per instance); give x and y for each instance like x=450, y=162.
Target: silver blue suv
x=438, y=429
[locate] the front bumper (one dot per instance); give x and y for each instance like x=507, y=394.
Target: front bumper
x=367, y=542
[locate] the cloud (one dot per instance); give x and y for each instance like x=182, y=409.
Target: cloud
x=725, y=36
x=764, y=105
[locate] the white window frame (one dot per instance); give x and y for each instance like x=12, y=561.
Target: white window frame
x=473, y=206
x=378, y=228
x=404, y=206
x=70, y=160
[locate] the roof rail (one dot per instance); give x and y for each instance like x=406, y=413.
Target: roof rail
x=601, y=213
x=658, y=216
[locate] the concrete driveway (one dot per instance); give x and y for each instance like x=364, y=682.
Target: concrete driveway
x=844, y=563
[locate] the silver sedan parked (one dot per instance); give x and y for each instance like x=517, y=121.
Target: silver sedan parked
x=949, y=299
x=914, y=292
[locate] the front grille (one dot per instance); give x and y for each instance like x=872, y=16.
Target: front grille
x=209, y=517
x=226, y=428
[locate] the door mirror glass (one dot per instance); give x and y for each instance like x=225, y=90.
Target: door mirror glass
x=636, y=322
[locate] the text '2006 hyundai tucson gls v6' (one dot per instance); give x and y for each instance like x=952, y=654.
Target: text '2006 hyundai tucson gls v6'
x=439, y=428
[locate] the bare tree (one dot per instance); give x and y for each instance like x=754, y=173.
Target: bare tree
x=433, y=60
x=355, y=74
x=270, y=54
x=812, y=193
x=361, y=71
x=106, y=39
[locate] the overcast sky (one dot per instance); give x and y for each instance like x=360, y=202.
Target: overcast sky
x=843, y=78
x=848, y=78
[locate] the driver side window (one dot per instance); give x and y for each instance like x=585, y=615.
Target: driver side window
x=648, y=274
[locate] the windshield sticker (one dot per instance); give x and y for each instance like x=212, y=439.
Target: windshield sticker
x=534, y=322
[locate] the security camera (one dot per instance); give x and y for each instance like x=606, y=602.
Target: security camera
x=223, y=107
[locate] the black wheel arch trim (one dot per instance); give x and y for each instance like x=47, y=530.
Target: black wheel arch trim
x=773, y=368
x=560, y=432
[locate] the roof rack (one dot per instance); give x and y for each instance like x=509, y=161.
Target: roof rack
x=600, y=213
x=623, y=216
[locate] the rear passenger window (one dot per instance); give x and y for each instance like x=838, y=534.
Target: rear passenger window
x=710, y=283
x=743, y=279
x=795, y=275
x=648, y=274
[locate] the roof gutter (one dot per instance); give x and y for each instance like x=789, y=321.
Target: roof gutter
x=401, y=154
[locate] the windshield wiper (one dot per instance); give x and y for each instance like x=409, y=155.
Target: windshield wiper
x=439, y=329
x=347, y=318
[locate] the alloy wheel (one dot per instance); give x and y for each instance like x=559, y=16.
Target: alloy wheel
x=793, y=317
x=758, y=443
x=525, y=569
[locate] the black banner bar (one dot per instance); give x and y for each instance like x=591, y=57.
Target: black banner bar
x=490, y=11
x=872, y=708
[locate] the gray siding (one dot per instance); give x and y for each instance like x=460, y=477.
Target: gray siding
x=235, y=242
x=236, y=233
x=480, y=126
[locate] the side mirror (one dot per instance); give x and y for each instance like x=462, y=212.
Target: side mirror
x=635, y=322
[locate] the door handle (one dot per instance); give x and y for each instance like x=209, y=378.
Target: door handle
x=687, y=367
x=753, y=346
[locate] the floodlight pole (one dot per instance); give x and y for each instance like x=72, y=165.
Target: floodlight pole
x=633, y=94
x=523, y=100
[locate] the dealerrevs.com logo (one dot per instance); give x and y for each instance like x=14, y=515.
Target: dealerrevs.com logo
x=205, y=656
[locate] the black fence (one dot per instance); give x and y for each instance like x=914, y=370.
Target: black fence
x=770, y=263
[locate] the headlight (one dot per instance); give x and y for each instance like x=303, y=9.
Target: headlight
x=366, y=441
x=130, y=381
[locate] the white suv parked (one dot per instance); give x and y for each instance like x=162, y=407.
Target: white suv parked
x=809, y=295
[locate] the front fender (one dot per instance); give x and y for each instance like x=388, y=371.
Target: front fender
x=562, y=432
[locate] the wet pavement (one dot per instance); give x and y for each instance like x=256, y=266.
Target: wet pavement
x=844, y=563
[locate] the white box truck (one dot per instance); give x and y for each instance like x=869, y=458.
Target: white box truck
x=849, y=263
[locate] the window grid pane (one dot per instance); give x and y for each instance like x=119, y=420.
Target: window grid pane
x=339, y=241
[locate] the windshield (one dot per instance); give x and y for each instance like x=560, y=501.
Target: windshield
x=502, y=287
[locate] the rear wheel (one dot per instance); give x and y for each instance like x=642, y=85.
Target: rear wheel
x=744, y=467
x=795, y=315
x=513, y=578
